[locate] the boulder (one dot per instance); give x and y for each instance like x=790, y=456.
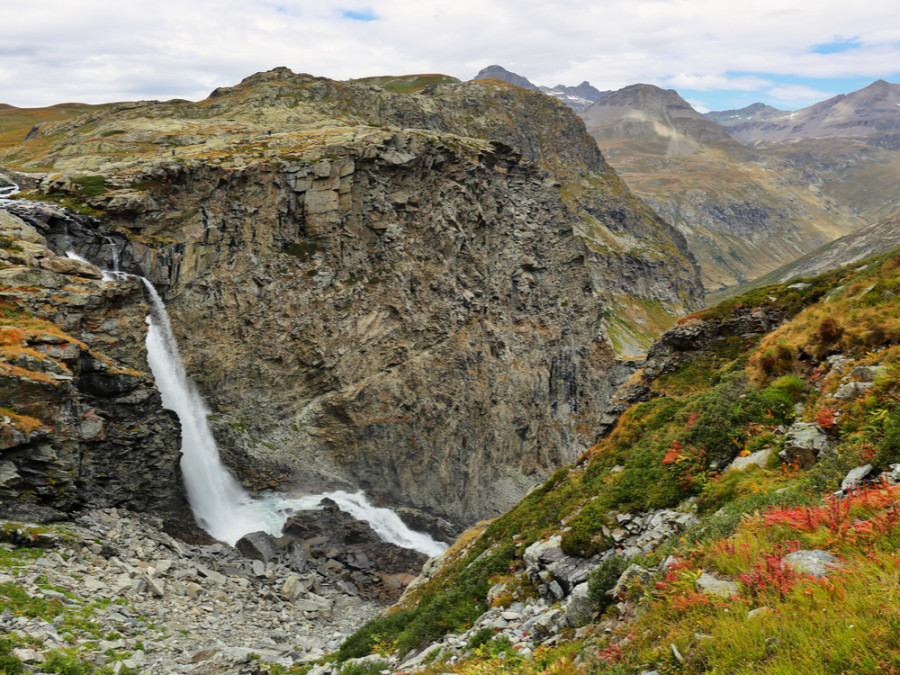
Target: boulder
x=855, y=477
x=707, y=584
x=759, y=458
x=850, y=391
x=258, y=546
x=816, y=562
x=550, y=622
x=803, y=443
x=633, y=573
x=579, y=609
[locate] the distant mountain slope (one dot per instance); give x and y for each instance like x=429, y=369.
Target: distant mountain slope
x=870, y=240
x=872, y=110
x=754, y=112
x=15, y=123
x=646, y=111
x=744, y=213
x=578, y=98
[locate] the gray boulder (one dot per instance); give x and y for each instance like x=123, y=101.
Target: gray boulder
x=578, y=606
x=759, y=459
x=632, y=574
x=818, y=563
x=707, y=584
x=804, y=443
x=855, y=477
x=258, y=546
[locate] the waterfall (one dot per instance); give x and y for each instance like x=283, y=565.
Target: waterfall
x=220, y=505
x=218, y=502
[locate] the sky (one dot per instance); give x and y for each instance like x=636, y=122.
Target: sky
x=718, y=55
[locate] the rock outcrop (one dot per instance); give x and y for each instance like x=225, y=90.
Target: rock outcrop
x=417, y=294
x=78, y=428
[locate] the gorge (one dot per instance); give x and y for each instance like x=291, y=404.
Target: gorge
x=327, y=318
x=435, y=315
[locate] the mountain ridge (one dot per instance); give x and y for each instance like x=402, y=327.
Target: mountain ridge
x=578, y=97
x=865, y=112
x=743, y=212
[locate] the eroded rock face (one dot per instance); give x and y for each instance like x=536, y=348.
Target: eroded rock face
x=79, y=428
x=440, y=339
x=417, y=301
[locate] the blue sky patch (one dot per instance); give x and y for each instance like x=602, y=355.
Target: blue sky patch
x=837, y=46
x=359, y=15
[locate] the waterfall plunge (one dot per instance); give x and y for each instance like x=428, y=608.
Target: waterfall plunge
x=220, y=505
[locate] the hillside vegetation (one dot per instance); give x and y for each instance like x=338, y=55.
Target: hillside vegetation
x=743, y=432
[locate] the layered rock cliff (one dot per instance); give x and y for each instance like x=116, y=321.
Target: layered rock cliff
x=79, y=425
x=419, y=294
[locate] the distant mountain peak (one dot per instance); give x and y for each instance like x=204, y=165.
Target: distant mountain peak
x=501, y=73
x=755, y=112
x=643, y=110
x=869, y=111
x=578, y=98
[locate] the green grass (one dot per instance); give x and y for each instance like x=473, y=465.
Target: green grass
x=440, y=611
x=91, y=186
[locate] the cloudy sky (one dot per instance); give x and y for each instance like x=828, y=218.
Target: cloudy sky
x=717, y=54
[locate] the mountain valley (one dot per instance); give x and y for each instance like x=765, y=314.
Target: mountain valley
x=753, y=189
x=442, y=295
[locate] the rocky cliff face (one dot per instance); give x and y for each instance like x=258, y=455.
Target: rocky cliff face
x=79, y=427
x=411, y=293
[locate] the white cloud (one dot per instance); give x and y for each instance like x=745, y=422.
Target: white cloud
x=94, y=50
x=798, y=92
x=712, y=81
x=698, y=106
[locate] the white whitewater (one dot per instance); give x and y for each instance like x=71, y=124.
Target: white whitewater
x=8, y=191
x=75, y=256
x=220, y=505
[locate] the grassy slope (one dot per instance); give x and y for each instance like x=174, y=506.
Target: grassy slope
x=405, y=84
x=729, y=401
x=15, y=123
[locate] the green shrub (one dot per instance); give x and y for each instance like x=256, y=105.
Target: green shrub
x=301, y=250
x=10, y=665
x=603, y=579
x=64, y=664
x=479, y=638
x=792, y=386
x=889, y=447
x=368, y=668
x=584, y=536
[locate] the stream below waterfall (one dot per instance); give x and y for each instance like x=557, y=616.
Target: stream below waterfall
x=220, y=505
